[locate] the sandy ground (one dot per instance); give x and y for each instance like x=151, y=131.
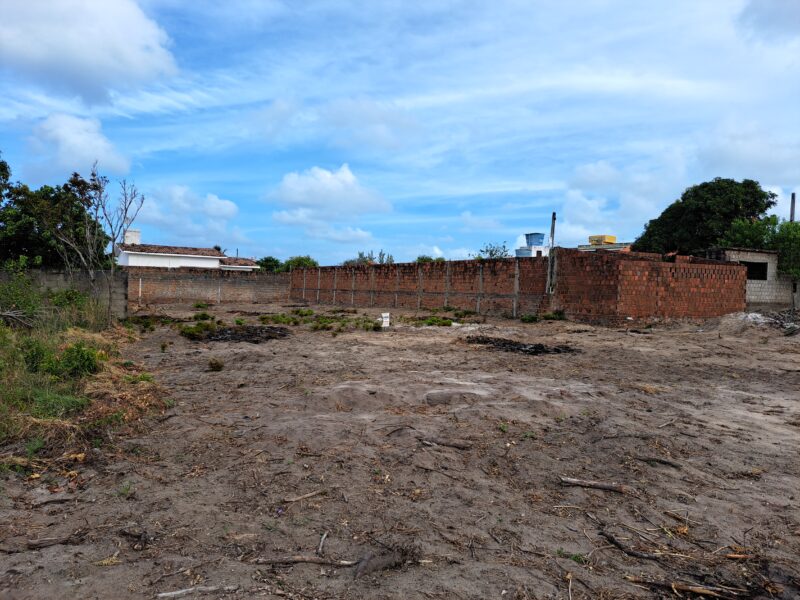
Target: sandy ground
x=445, y=459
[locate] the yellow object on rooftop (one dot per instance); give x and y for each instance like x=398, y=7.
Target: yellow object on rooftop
x=599, y=240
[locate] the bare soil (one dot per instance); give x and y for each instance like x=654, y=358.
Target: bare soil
x=434, y=467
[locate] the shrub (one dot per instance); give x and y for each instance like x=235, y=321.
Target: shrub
x=203, y=316
x=198, y=331
x=303, y=312
x=77, y=360
x=529, y=318
x=37, y=354
x=200, y=305
x=437, y=321
x=238, y=322
x=460, y=314
x=68, y=297
x=216, y=364
x=556, y=315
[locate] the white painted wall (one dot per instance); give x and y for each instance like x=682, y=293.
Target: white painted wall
x=167, y=261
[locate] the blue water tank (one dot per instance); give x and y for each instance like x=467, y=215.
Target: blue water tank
x=534, y=239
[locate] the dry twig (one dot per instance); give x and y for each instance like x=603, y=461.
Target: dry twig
x=599, y=485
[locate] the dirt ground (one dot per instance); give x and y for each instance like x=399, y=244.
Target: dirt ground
x=443, y=460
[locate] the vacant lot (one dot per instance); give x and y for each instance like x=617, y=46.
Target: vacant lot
x=440, y=458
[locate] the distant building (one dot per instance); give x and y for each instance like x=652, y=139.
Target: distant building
x=766, y=288
x=534, y=246
x=605, y=242
x=132, y=253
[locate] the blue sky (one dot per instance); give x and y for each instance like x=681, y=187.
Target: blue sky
x=328, y=127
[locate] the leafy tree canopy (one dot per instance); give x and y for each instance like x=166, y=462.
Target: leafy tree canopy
x=270, y=264
x=369, y=258
x=29, y=218
x=703, y=215
x=424, y=258
x=299, y=262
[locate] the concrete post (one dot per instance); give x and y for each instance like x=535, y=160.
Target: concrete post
x=353, y=288
x=335, y=271
x=419, y=286
x=480, y=288
x=371, y=286
x=396, y=284
x=447, y=284
x=304, y=282
x=515, y=304
x=319, y=282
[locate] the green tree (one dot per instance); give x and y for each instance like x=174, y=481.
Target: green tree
x=369, y=258
x=270, y=264
x=751, y=233
x=703, y=215
x=424, y=258
x=299, y=262
x=34, y=223
x=787, y=243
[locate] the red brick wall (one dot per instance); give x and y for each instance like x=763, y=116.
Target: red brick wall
x=149, y=285
x=589, y=286
x=686, y=288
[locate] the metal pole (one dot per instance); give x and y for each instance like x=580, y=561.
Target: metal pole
x=791, y=210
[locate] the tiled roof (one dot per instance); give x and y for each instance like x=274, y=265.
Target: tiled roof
x=238, y=262
x=156, y=249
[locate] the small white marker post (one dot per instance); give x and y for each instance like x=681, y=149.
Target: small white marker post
x=385, y=320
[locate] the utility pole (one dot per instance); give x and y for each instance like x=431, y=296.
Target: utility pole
x=791, y=210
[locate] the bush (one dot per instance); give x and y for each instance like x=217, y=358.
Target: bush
x=77, y=360
x=203, y=316
x=68, y=297
x=529, y=318
x=238, y=322
x=556, y=315
x=200, y=305
x=437, y=321
x=198, y=331
x=303, y=312
x=216, y=365
x=36, y=353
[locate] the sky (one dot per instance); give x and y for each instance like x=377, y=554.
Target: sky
x=327, y=127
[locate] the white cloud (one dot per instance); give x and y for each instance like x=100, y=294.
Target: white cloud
x=217, y=208
x=318, y=199
x=184, y=217
x=83, y=46
x=67, y=143
x=329, y=193
x=750, y=150
x=362, y=121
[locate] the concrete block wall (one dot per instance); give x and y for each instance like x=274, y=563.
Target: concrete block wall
x=588, y=286
x=214, y=286
x=54, y=280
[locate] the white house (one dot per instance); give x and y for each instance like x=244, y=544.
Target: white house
x=132, y=253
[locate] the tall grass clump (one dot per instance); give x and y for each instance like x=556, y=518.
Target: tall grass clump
x=59, y=377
